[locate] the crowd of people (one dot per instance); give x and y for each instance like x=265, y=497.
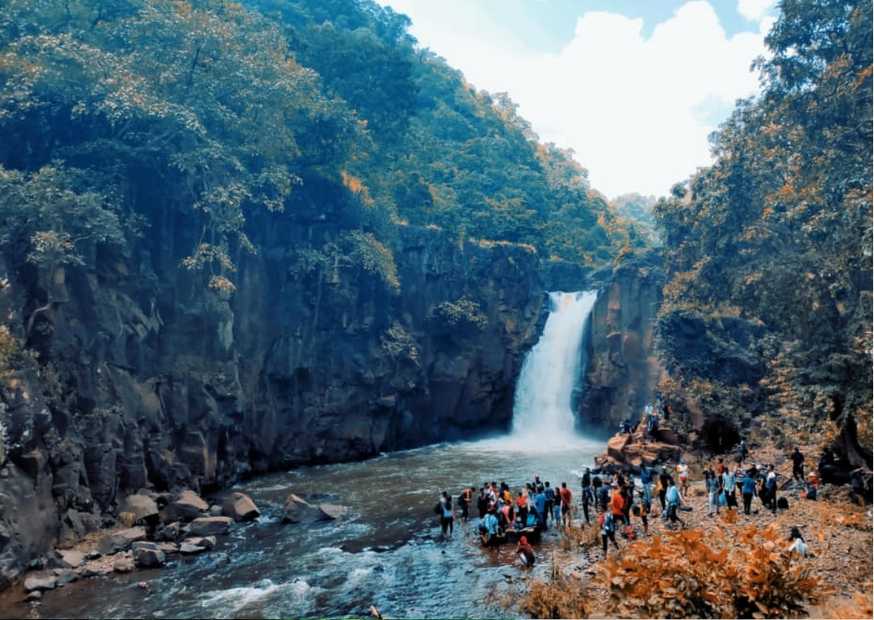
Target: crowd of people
x=620, y=503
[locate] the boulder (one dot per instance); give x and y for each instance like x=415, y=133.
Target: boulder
x=216, y=511
x=298, y=510
x=331, y=512
x=207, y=542
x=123, y=564
x=71, y=558
x=40, y=581
x=616, y=445
x=188, y=505
x=143, y=508
x=209, y=526
x=34, y=596
x=240, y=507
x=170, y=532
x=148, y=554
x=65, y=576
x=120, y=540
x=95, y=568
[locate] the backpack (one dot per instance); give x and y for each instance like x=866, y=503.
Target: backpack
x=782, y=503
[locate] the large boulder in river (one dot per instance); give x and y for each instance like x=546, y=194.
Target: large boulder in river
x=210, y=526
x=188, y=505
x=298, y=510
x=331, y=512
x=143, y=508
x=240, y=507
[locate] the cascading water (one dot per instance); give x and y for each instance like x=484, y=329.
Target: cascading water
x=542, y=411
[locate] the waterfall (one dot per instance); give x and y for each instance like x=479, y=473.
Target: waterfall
x=542, y=410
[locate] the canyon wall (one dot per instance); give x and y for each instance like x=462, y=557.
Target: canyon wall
x=142, y=377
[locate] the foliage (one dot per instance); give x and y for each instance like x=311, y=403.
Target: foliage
x=684, y=575
x=400, y=344
x=365, y=251
x=560, y=597
x=780, y=227
x=463, y=312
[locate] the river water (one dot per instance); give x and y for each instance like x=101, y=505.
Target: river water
x=389, y=551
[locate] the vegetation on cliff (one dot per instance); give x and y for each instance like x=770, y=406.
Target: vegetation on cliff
x=768, y=251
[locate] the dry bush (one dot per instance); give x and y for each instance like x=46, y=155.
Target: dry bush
x=560, y=597
x=682, y=576
x=677, y=576
x=584, y=537
x=771, y=583
x=729, y=516
x=856, y=608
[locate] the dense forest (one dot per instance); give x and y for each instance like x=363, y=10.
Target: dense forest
x=232, y=108
x=768, y=304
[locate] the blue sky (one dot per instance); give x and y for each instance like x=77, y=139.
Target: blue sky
x=633, y=86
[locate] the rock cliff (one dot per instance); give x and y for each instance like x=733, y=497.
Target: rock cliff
x=623, y=368
x=142, y=377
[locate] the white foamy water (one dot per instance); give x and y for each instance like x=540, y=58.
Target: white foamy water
x=543, y=416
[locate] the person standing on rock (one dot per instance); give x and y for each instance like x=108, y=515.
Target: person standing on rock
x=674, y=500
x=748, y=490
x=617, y=504
x=664, y=480
x=646, y=483
x=771, y=487
x=465, y=500
x=446, y=519
x=608, y=530
x=588, y=498
x=522, y=507
x=713, y=487
x=729, y=488
x=566, y=504
x=549, y=492
x=798, y=465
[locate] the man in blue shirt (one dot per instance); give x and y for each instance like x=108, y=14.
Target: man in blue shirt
x=673, y=499
x=540, y=507
x=748, y=489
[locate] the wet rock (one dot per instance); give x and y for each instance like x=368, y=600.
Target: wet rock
x=148, y=554
x=215, y=511
x=298, y=510
x=170, y=532
x=123, y=564
x=121, y=540
x=188, y=505
x=40, y=581
x=191, y=546
x=71, y=558
x=65, y=576
x=207, y=542
x=142, y=507
x=96, y=568
x=34, y=596
x=169, y=548
x=210, y=526
x=331, y=512
x=93, y=554
x=240, y=507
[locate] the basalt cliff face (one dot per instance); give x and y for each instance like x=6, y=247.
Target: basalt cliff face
x=623, y=368
x=147, y=379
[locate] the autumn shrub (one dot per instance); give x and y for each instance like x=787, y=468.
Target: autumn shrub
x=771, y=584
x=560, y=597
x=583, y=537
x=678, y=575
x=681, y=575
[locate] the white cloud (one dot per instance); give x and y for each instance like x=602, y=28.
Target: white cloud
x=637, y=110
x=754, y=10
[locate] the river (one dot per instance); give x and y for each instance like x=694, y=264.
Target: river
x=388, y=553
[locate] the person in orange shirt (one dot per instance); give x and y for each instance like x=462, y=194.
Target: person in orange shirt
x=617, y=505
x=522, y=505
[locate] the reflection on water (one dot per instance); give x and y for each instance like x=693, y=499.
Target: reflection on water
x=388, y=553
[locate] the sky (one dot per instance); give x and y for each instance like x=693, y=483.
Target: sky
x=633, y=86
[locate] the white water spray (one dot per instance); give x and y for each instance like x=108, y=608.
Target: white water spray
x=542, y=412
